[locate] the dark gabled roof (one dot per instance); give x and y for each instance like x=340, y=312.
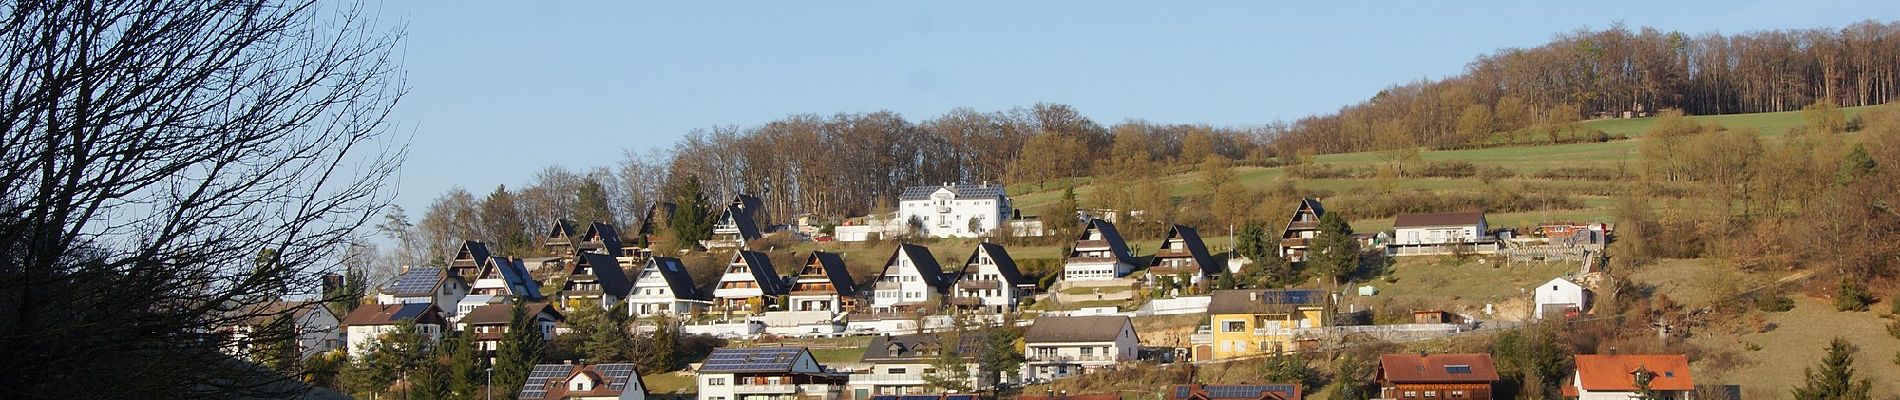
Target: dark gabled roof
x=472, y=250
x=1109, y=234
x=1437, y=368
x=835, y=270
x=753, y=360
x=504, y=311
x=925, y=263
x=762, y=272
x=1263, y=301
x=563, y=228
x=1319, y=210
x=741, y=210
x=390, y=314
x=608, y=237
x=1438, y=219
x=961, y=190
x=606, y=269
x=676, y=277
x=1278, y=391
x=1093, y=328
x=515, y=273
x=1004, y=263
x=1196, y=250
x=918, y=347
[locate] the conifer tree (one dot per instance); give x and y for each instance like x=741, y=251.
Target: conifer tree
x=692, y=217
x=520, y=350
x=1835, y=379
x=1334, y=253
x=467, y=367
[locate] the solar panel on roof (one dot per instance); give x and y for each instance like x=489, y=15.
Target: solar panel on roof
x=884, y=397
x=416, y=281
x=409, y=311
x=1182, y=392
x=536, y=385
x=915, y=397
x=960, y=397
x=1457, y=369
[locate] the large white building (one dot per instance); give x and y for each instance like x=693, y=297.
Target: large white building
x=1062, y=346
x=954, y=210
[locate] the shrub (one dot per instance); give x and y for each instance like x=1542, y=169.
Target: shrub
x=1449, y=169
x=1494, y=173
x=1751, y=346
x=1771, y=300
x=1852, y=297
x=1893, y=329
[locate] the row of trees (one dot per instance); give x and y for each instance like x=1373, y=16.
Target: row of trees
x=1607, y=72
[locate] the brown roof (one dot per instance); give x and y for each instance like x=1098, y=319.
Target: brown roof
x=1095, y=328
x=1264, y=301
x=390, y=314
x=1438, y=219
x=263, y=313
x=501, y=313
x=1614, y=372
x=1437, y=368
x=1074, y=397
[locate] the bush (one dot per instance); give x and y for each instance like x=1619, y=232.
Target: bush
x=1494, y=173
x=1449, y=169
x=1579, y=173
x=1893, y=329
x=1771, y=300
x=1751, y=346
x=1852, y=297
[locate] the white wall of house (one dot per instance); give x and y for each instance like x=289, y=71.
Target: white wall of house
x=1559, y=291
x=945, y=215
x=652, y=296
x=1095, y=270
x=1577, y=381
x=738, y=273
x=903, y=378
x=359, y=336
x=1426, y=235
x=449, y=292
x=318, y=332
x=1048, y=360
x=1001, y=298
x=901, y=282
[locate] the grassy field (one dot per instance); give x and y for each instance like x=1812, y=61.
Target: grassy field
x=1796, y=339
x=675, y=383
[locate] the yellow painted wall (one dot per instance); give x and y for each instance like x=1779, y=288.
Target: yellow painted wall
x=1244, y=342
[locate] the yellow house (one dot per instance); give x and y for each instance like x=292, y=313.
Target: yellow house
x=1254, y=322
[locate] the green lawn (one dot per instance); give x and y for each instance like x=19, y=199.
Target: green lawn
x=670, y=383
x=1440, y=281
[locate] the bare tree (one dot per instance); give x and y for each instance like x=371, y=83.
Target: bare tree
x=150, y=151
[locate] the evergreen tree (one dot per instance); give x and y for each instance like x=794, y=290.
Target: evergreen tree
x=591, y=204
x=1852, y=296
x=692, y=218
x=1288, y=367
x=1000, y=354
x=662, y=346
x=1271, y=271
x=1835, y=380
x=1334, y=253
x=1643, y=378
x=432, y=380
x=385, y=360
x=520, y=350
x=1856, y=165
x=1059, y=219
x=277, y=349
x=1351, y=375
x=1252, y=243
x=503, y=223
x=951, y=372
x=467, y=367
x=610, y=340
x=1226, y=281
x=344, y=298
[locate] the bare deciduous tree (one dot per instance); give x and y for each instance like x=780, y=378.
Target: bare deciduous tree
x=150, y=151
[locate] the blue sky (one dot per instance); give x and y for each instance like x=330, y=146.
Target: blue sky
x=502, y=89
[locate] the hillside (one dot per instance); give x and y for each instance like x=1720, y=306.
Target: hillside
x=1525, y=161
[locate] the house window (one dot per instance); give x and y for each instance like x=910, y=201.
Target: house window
x=1457, y=394
x=1233, y=326
x=716, y=381
x=1431, y=394
x=1088, y=351
x=1411, y=394
x=897, y=371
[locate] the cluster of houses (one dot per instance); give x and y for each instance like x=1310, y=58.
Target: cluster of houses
x=475, y=291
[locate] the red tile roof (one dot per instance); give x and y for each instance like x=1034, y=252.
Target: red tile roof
x=1437, y=368
x=1614, y=372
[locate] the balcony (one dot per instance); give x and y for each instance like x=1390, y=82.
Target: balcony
x=1091, y=244
x=765, y=389
x=1303, y=225
x=966, y=301
x=1068, y=358
x=889, y=379
x=1201, y=338
x=1293, y=242
x=979, y=284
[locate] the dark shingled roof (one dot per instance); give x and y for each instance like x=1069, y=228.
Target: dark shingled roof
x=676, y=277
x=761, y=266
x=917, y=347
x=515, y=273
x=835, y=270
x=741, y=212
x=1109, y=234
x=1437, y=368
x=961, y=190
x=1004, y=263
x=472, y=250
x=1263, y=301
x=751, y=360
x=606, y=269
x=563, y=228
x=608, y=237
x=390, y=314
x=1094, y=328
x=1196, y=250
x=1438, y=219
x=926, y=264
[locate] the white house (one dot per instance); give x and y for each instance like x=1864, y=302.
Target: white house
x=594, y=278
x=1301, y=227
x=912, y=280
x=316, y=328
x=502, y=276
x=955, y=210
x=1559, y=297
x=1099, y=254
x=664, y=288
x=737, y=223
x=1441, y=233
x=749, y=284
x=989, y=282
x=425, y=285
x=1182, y=252
x=1064, y=346
x=369, y=322
x=899, y=364
x=619, y=381
x=1613, y=377
x=766, y=373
